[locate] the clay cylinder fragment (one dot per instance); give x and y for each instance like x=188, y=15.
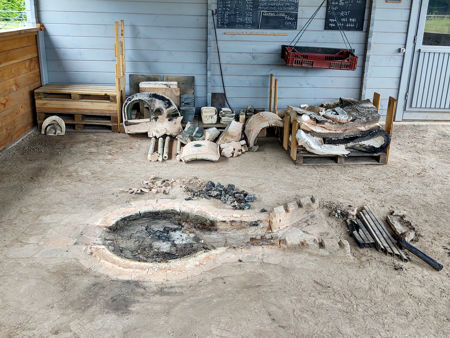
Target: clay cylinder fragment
x=160, y=149
x=151, y=150
x=166, y=148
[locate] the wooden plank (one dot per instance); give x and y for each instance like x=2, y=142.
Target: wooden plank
x=17, y=55
x=17, y=42
x=15, y=121
x=376, y=100
x=294, y=143
x=389, y=124
x=21, y=81
x=77, y=89
x=270, y=91
x=17, y=69
x=76, y=106
x=392, y=242
x=275, y=98
x=379, y=244
x=19, y=96
x=19, y=32
x=286, y=125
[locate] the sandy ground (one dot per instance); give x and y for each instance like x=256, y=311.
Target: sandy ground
x=49, y=187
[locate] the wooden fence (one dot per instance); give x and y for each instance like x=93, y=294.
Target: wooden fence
x=19, y=76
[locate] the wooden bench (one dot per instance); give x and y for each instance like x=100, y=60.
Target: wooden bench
x=84, y=105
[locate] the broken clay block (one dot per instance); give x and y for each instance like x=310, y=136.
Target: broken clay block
x=200, y=150
x=294, y=237
x=294, y=212
x=232, y=149
x=211, y=134
x=258, y=122
x=232, y=132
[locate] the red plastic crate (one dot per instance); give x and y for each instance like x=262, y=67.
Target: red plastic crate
x=318, y=57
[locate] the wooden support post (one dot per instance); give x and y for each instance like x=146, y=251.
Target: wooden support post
x=275, y=99
x=270, y=92
x=376, y=100
x=294, y=144
x=389, y=124
x=286, y=125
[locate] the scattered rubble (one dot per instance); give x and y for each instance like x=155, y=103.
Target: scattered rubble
x=237, y=199
x=233, y=149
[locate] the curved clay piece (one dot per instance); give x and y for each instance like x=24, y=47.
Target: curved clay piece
x=258, y=122
x=165, y=119
x=232, y=132
x=337, y=114
x=53, y=125
x=200, y=150
x=315, y=146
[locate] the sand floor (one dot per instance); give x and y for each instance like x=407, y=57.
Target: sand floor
x=50, y=187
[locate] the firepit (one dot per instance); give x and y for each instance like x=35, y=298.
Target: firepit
x=158, y=236
x=167, y=239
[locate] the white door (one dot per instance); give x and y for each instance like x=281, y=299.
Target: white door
x=428, y=93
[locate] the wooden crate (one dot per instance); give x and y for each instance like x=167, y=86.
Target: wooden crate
x=302, y=157
x=79, y=105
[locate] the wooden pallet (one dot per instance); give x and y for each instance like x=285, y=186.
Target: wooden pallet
x=79, y=121
x=355, y=157
x=79, y=105
x=302, y=157
x=83, y=104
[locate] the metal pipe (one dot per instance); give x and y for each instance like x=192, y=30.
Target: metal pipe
x=151, y=150
x=437, y=266
x=160, y=149
x=166, y=148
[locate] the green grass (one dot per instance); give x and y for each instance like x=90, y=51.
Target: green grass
x=438, y=25
x=4, y=25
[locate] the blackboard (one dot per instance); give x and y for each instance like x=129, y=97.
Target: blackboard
x=257, y=14
x=349, y=13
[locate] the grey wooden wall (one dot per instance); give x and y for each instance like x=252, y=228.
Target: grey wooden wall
x=387, y=35
x=248, y=60
x=176, y=37
x=162, y=37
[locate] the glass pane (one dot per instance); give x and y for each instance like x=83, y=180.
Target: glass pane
x=437, y=26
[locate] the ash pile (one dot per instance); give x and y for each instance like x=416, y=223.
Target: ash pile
x=339, y=128
x=237, y=199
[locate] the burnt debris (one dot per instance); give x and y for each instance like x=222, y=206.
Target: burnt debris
x=237, y=199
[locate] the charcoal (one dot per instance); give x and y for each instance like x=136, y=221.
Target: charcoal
x=230, y=188
x=250, y=198
x=239, y=196
x=209, y=186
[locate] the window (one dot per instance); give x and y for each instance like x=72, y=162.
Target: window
x=16, y=14
x=437, y=25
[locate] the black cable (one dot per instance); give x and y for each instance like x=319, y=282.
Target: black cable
x=306, y=25
x=220, y=62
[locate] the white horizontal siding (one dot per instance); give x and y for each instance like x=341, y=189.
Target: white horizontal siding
x=385, y=62
x=161, y=37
